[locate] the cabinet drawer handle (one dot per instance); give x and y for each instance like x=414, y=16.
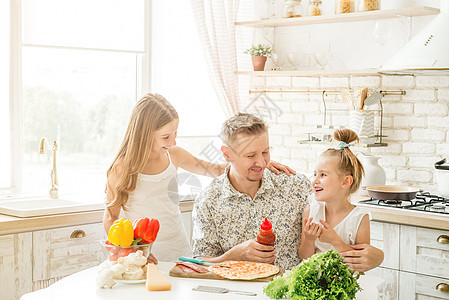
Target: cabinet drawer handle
x=444, y=287
x=444, y=239
x=78, y=234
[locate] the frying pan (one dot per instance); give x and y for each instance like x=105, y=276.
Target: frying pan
x=392, y=192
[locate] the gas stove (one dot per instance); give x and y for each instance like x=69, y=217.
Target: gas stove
x=424, y=202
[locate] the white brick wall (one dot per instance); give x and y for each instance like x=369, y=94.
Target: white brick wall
x=416, y=124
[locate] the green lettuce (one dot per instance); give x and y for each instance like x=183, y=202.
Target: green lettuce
x=323, y=276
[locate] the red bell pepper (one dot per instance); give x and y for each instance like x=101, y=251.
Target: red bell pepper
x=146, y=229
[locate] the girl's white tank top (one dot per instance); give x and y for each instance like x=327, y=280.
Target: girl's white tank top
x=156, y=196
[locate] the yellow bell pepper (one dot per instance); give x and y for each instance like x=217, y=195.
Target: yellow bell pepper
x=121, y=233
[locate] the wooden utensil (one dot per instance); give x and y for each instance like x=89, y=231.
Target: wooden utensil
x=347, y=98
x=361, y=98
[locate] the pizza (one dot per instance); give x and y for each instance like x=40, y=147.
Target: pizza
x=244, y=270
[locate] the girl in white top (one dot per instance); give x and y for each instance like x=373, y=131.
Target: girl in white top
x=142, y=180
x=332, y=222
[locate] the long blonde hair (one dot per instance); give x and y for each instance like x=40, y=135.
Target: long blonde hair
x=347, y=162
x=150, y=114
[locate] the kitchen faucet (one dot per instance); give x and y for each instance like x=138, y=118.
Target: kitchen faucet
x=53, y=175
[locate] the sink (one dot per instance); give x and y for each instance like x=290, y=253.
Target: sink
x=41, y=206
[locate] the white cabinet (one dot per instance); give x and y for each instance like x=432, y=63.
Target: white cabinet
x=33, y=260
x=416, y=260
x=385, y=236
x=15, y=265
x=63, y=251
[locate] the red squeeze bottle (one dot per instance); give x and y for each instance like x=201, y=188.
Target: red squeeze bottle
x=266, y=235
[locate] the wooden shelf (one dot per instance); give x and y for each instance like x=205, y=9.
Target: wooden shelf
x=310, y=73
x=349, y=17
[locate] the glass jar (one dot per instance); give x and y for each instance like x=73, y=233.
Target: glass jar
x=344, y=6
x=315, y=7
x=365, y=5
x=298, y=9
x=287, y=11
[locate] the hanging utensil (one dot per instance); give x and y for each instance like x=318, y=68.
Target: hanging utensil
x=373, y=98
x=361, y=98
x=347, y=98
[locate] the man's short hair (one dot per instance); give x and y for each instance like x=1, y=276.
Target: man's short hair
x=242, y=123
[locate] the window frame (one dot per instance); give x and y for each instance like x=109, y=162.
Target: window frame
x=143, y=82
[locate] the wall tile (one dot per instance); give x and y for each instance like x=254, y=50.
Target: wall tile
x=400, y=82
x=365, y=81
x=432, y=109
x=429, y=135
x=334, y=82
x=422, y=148
x=411, y=175
x=443, y=94
x=432, y=81
x=419, y=95
x=306, y=82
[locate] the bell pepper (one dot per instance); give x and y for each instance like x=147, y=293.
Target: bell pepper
x=146, y=229
x=121, y=233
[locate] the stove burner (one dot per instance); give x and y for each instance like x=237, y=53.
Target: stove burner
x=393, y=201
x=438, y=206
x=424, y=202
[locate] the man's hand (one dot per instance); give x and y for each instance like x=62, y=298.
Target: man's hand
x=251, y=250
x=364, y=257
x=276, y=167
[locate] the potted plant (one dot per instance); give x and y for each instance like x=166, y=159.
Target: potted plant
x=259, y=55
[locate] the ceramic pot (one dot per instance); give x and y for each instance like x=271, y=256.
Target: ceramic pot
x=374, y=174
x=259, y=62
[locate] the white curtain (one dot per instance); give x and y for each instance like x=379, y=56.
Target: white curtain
x=215, y=23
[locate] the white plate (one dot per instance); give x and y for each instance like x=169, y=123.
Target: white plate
x=130, y=281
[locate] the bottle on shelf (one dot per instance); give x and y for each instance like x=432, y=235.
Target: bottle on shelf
x=315, y=7
x=266, y=235
x=344, y=6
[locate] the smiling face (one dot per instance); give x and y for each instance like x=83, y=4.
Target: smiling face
x=249, y=156
x=328, y=183
x=165, y=137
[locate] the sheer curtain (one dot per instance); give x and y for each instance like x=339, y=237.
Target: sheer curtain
x=215, y=23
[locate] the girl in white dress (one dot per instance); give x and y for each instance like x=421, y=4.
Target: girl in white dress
x=142, y=180
x=331, y=221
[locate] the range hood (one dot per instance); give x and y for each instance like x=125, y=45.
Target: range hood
x=428, y=52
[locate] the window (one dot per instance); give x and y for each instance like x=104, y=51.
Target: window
x=81, y=73
x=180, y=74
x=81, y=65
x=5, y=154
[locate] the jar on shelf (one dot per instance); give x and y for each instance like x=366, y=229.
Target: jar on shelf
x=298, y=9
x=287, y=11
x=293, y=9
x=365, y=5
x=344, y=6
x=315, y=7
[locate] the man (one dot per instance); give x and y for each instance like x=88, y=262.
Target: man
x=227, y=215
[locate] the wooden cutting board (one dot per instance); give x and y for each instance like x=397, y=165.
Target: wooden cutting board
x=178, y=272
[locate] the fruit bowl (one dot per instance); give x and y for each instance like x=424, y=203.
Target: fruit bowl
x=114, y=252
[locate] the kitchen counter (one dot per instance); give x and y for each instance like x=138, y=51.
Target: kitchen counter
x=408, y=217
x=10, y=225
x=82, y=285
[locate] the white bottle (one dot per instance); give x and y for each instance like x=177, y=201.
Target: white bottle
x=374, y=174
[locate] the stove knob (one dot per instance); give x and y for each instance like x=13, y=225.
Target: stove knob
x=444, y=287
x=444, y=239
